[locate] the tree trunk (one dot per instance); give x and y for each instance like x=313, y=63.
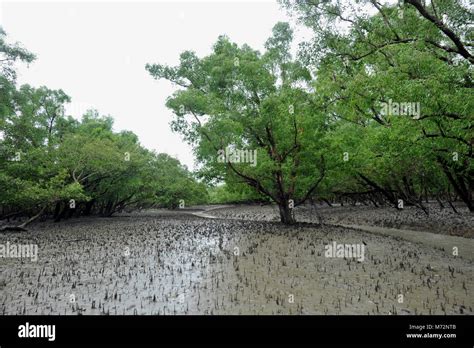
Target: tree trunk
x=29, y=221
x=441, y=205
x=22, y=227
x=387, y=193
x=327, y=202
x=459, y=185
x=286, y=214
x=109, y=209
x=9, y=216
x=57, y=211
x=89, y=206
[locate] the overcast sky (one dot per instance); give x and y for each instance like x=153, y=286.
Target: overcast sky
x=96, y=52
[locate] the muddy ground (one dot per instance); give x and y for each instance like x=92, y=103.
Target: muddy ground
x=440, y=221
x=161, y=262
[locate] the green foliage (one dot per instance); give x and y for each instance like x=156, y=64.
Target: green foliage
x=323, y=125
x=9, y=54
x=54, y=163
x=413, y=52
x=364, y=56
x=238, y=98
x=233, y=193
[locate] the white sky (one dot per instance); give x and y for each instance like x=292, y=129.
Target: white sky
x=96, y=52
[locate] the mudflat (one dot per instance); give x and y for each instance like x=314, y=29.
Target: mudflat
x=174, y=262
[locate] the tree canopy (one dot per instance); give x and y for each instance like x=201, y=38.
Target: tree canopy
x=241, y=102
x=51, y=163
x=377, y=106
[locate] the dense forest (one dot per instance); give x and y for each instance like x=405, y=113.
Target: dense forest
x=54, y=165
x=377, y=108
